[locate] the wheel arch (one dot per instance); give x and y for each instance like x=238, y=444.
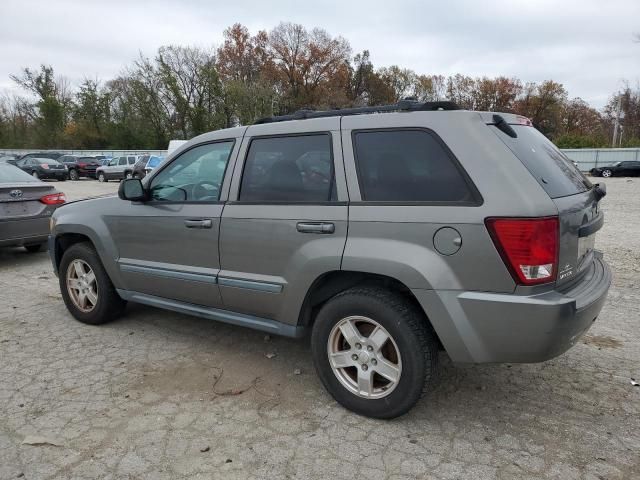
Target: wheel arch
x=331, y=283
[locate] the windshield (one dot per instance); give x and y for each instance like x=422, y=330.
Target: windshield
x=553, y=170
x=11, y=174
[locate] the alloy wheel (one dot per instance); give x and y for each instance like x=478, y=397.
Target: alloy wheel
x=82, y=285
x=364, y=357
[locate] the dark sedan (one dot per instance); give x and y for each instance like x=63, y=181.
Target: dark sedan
x=26, y=204
x=80, y=166
x=43, y=168
x=618, y=169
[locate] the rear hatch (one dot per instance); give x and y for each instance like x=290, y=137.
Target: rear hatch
x=577, y=199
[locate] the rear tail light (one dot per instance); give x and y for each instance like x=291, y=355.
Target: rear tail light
x=528, y=246
x=54, y=199
x=45, y=166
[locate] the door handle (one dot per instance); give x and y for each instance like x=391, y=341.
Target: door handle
x=319, y=227
x=205, y=223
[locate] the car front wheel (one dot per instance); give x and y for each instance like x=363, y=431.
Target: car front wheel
x=607, y=173
x=86, y=288
x=374, y=351
x=73, y=175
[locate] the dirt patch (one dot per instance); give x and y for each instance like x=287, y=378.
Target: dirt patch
x=602, y=341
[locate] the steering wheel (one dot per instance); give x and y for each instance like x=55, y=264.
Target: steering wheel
x=205, y=190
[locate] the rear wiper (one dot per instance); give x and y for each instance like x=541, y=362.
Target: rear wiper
x=503, y=126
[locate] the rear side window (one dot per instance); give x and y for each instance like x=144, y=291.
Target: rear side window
x=553, y=170
x=408, y=166
x=289, y=169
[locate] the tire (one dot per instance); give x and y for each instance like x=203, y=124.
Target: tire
x=33, y=248
x=102, y=177
x=34, y=174
x=128, y=175
x=410, y=334
x=135, y=175
x=109, y=305
x=73, y=175
x=606, y=173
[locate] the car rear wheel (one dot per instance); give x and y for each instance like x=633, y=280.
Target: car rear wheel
x=606, y=173
x=128, y=175
x=73, y=175
x=101, y=177
x=86, y=288
x=374, y=351
x=34, y=174
x=33, y=248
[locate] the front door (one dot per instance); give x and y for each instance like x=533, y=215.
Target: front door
x=286, y=220
x=168, y=246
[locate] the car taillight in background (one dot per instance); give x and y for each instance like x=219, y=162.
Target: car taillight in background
x=45, y=166
x=524, y=121
x=54, y=199
x=528, y=246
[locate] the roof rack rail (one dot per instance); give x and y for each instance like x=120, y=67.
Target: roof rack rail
x=405, y=105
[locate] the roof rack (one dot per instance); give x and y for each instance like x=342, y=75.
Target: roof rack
x=406, y=105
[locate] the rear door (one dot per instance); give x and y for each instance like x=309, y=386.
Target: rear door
x=286, y=220
x=578, y=207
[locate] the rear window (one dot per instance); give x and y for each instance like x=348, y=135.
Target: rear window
x=47, y=161
x=553, y=170
x=11, y=174
x=409, y=166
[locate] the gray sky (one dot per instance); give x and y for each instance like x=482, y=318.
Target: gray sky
x=587, y=45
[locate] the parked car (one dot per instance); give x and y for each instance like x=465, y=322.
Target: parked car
x=144, y=166
x=115, y=168
x=9, y=158
x=386, y=235
x=80, y=166
x=51, y=155
x=43, y=168
x=26, y=205
x=618, y=169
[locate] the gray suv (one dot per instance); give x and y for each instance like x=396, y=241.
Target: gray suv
x=388, y=233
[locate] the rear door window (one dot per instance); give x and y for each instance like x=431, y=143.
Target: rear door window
x=289, y=169
x=409, y=165
x=553, y=170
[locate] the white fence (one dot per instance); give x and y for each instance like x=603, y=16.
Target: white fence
x=108, y=153
x=586, y=158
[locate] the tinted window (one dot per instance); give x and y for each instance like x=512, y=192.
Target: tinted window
x=48, y=161
x=289, y=169
x=407, y=166
x=194, y=176
x=553, y=170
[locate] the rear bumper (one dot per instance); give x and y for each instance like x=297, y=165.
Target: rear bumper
x=27, y=231
x=484, y=327
x=57, y=175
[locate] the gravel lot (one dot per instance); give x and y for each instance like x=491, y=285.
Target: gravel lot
x=160, y=395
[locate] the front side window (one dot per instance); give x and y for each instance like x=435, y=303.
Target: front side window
x=194, y=176
x=289, y=169
x=408, y=166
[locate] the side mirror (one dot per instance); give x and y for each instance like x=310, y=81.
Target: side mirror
x=132, y=189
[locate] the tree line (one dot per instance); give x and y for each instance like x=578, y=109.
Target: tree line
x=183, y=91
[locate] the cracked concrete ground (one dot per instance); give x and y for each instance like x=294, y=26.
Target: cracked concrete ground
x=160, y=395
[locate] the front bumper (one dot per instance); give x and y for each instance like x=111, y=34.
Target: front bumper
x=482, y=327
